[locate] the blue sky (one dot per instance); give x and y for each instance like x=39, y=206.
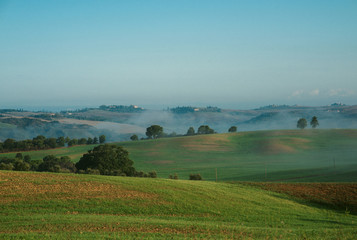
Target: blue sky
x=236, y=54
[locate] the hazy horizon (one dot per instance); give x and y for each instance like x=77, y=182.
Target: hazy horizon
x=230, y=54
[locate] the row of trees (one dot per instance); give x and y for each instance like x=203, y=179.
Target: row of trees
x=156, y=131
x=41, y=142
x=103, y=159
x=302, y=123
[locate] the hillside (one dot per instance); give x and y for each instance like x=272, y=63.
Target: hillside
x=282, y=155
x=65, y=206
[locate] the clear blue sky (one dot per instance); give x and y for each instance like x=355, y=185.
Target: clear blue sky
x=225, y=53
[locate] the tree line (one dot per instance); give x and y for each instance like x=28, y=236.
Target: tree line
x=41, y=143
x=157, y=131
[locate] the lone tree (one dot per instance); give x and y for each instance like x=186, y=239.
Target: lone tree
x=302, y=123
x=204, y=129
x=232, y=129
x=102, y=139
x=314, y=122
x=154, y=131
x=134, y=137
x=190, y=131
x=108, y=159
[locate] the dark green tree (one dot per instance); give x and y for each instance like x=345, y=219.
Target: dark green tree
x=107, y=158
x=314, y=122
x=190, y=131
x=154, y=131
x=95, y=140
x=232, y=129
x=19, y=156
x=60, y=141
x=134, y=137
x=301, y=123
x=90, y=141
x=82, y=141
x=205, y=129
x=102, y=139
x=53, y=164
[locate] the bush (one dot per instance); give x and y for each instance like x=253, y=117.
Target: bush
x=195, y=176
x=6, y=166
x=20, y=165
x=153, y=174
x=175, y=176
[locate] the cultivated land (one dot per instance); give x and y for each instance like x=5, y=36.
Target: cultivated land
x=68, y=206
x=286, y=155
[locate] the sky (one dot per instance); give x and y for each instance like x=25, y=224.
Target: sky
x=159, y=53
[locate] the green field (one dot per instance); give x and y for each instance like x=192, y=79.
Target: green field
x=286, y=155
x=69, y=206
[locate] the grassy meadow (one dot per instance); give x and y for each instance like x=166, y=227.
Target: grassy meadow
x=286, y=155
x=68, y=206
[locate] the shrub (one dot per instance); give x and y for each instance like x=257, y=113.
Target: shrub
x=6, y=166
x=195, y=176
x=153, y=174
x=175, y=176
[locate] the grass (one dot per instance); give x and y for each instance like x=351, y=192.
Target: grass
x=286, y=155
x=63, y=206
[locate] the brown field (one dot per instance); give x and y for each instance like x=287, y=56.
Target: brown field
x=342, y=196
x=17, y=186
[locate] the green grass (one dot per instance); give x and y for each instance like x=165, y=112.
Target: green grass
x=64, y=206
x=285, y=155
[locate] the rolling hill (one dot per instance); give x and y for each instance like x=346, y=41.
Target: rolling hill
x=68, y=206
x=280, y=155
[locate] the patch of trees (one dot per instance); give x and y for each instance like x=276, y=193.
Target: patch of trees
x=49, y=163
x=302, y=123
x=104, y=160
x=121, y=108
x=189, y=109
x=110, y=160
x=41, y=143
x=232, y=129
x=195, y=176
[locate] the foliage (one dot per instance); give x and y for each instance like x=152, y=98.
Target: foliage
x=154, y=131
x=195, y=176
x=190, y=131
x=302, y=123
x=232, y=129
x=41, y=142
x=102, y=139
x=175, y=176
x=205, y=129
x=107, y=158
x=134, y=137
x=53, y=164
x=314, y=122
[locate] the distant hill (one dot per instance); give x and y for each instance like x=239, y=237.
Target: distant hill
x=119, y=122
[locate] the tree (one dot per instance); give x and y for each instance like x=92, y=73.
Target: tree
x=204, y=129
x=196, y=176
x=232, y=129
x=134, y=137
x=60, y=141
x=190, y=131
x=102, y=139
x=154, y=131
x=90, y=140
x=302, y=123
x=314, y=122
x=107, y=158
x=53, y=164
x=95, y=140
x=82, y=141
x=19, y=156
